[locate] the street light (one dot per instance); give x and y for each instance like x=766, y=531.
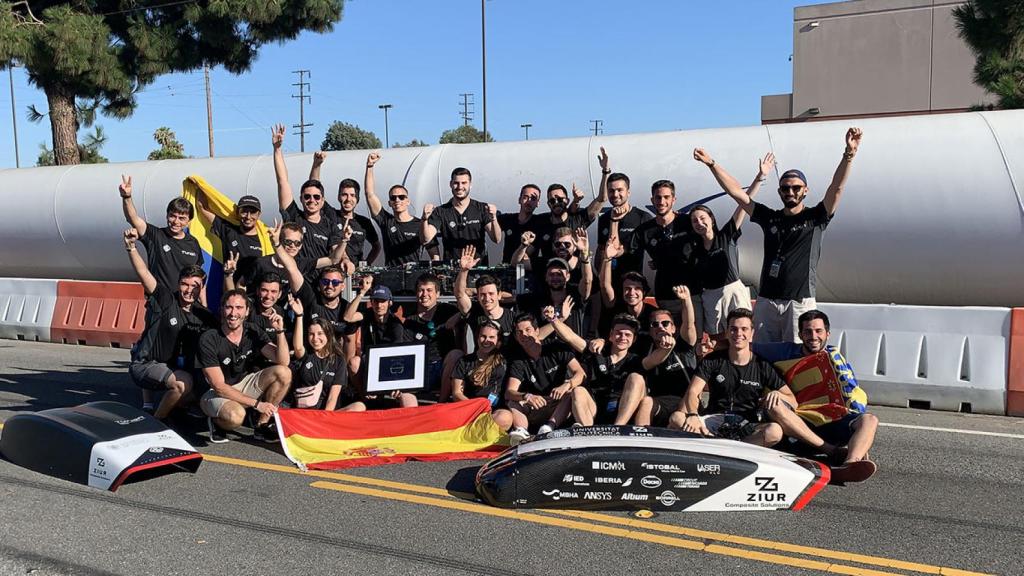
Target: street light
x=14, y=117
x=384, y=107
x=527, y=128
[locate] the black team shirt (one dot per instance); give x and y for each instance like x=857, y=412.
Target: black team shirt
x=460, y=230
x=362, y=232
x=671, y=249
x=215, y=350
x=737, y=389
x=317, y=237
x=232, y=239
x=400, y=240
x=166, y=255
x=792, y=245
x=171, y=332
x=630, y=261
x=542, y=375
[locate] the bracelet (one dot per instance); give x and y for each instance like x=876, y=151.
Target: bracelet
x=606, y=171
x=256, y=406
x=132, y=249
x=848, y=155
x=298, y=315
x=278, y=245
x=688, y=414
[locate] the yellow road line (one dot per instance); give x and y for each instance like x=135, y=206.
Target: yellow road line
x=694, y=545
x=629, y=522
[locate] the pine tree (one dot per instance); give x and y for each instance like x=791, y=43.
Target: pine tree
x=994, y=29
x=102, y=52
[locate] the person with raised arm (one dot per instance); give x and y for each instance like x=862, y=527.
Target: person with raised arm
x=514, y=224
x=164, y=357
x=461, y=221
x=792, y=246
x=363, y=231
x=625, y=219
x=559, y=215
x=319, y=371
x=670, y=361
x=320, y=227
x=400, y=229
x=239, y=241
x=488, y=300
x=629, y=299
x=168, y=249
x=717, y=251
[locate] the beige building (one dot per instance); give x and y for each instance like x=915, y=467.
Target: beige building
x=876, y=58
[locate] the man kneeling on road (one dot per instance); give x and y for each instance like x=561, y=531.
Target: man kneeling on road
x=737, y=380
x=839, y=427
x=229, y=357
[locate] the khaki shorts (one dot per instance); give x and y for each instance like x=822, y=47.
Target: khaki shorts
x=718, y=302
x=776, y=320
x=249, y=385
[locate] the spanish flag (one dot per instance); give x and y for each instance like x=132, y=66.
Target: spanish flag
x=323, y=440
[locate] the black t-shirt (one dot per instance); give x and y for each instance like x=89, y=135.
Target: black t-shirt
x=631, y=260
x=330, y=371
x=737, y=389
x=362, y=231
x=643, y=335
x=606, y=377
x=373, y=333
x=440, y=340
x=317, y=237
x=672, y=377
x=512, y=231
x=545, y=230
x=671, y=249
x=266, y=264
x=166, y=255
x=171, y=332
x=232, y=239
x=401, y=240
x=719, y=265
x=313, y=309
x=495, y=383
x=542, y=375
x=506, y=321
x=262, y=323
x=215, y=350
x=792, y=245
x=534, y=303
x=460, y=230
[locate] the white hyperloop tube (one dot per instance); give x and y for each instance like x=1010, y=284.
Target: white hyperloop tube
x=931, y=214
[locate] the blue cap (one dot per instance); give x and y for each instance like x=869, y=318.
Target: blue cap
x=793, y=173
x=380, y=293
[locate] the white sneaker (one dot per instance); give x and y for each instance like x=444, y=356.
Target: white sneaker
x=517, y=436
x=544, y=429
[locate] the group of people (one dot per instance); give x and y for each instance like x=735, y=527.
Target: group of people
x=586, y=345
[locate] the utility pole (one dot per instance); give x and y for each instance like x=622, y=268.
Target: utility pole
x=303, y=98
x=385, y=108
x=527, y=128
x=467, y=104
x=209, y=107
x=597, y=127
x=483, y=49
x=14, y=117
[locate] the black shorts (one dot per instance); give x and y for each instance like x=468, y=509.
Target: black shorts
x=607, y=407
x=663, y=408
x=537, y=417
x=150, y=374
x=838, y=432
x=379, y=402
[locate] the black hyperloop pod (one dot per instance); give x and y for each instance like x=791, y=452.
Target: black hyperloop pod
x=100, y=444
x=634, y=467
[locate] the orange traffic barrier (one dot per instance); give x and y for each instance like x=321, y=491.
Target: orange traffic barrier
x=98, y=313
x=1015, y=371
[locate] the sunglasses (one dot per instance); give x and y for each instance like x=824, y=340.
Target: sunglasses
x=563, y=244
x=557, y=200
x=795, y=188
x=291, y=243
x=331, y=282
x=399, y=198
x=661, y=323
x=311, y=196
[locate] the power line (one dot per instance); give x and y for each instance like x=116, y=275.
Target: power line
x=598, y=127
x=467, y=105
x=303, y=98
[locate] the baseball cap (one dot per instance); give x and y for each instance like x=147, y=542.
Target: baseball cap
x=794, y=173
x=380, y=293
x=249, y=202
x=558, y=262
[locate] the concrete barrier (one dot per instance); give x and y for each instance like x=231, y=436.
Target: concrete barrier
x=98, y=313
x=941, y=358
x=26, y=308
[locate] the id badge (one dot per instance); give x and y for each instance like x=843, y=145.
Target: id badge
x=493, y=398
x=613, y=406
x=180, y=361
x=773, y=270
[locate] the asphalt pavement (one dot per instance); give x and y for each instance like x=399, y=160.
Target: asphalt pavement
x=943, y=500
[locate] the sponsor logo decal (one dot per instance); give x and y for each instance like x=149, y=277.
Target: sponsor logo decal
x=575, y=480
x=559, y=494
x=167, y=248
x=597, y=495
x=309, y=365
x=767, y=491
x=635, y=497
x=132, y=421
x=661, y=467
x=688, y=483
x=668, y=498
x=173, y=322
x=156, y=449
x=613, y=480
x=709, y=468
x=650, y=482
x=608, y=465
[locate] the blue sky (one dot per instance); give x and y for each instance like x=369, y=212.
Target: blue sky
x=639, y=66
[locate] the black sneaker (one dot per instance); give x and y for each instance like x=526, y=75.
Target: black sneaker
x=265, y=433
x=217, y=436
